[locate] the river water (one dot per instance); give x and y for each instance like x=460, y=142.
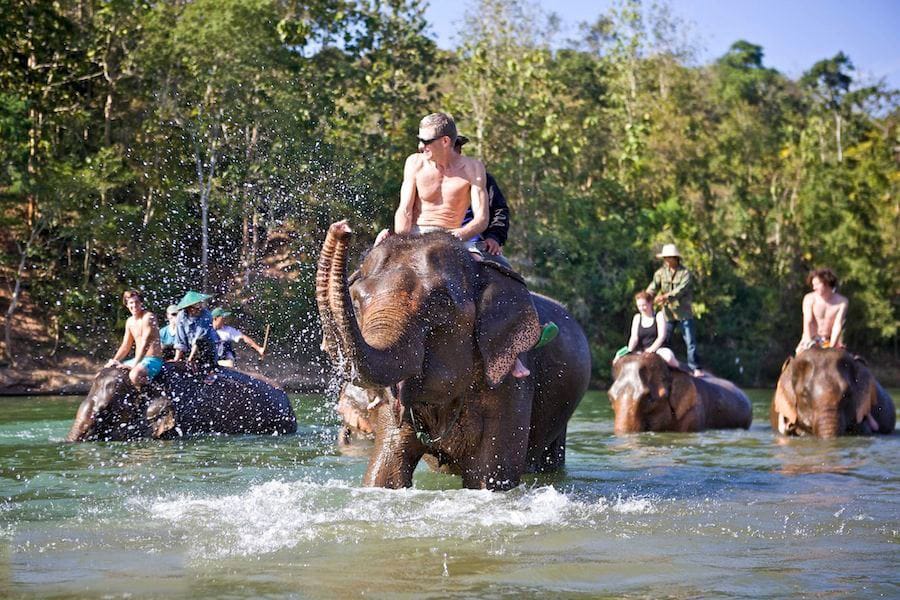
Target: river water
x=728, y=514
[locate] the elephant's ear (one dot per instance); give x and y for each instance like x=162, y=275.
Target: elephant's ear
x=863, y=389
x=161, y=416
x=682, y=394
x=785, y=399
x=506, y=322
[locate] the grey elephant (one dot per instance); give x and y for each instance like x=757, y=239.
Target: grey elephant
x=180, y=402
x=438, y=332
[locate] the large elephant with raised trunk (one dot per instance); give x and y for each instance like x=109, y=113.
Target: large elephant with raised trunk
x=649, y=396
x=180, y=402
x=827, y=392
x=438, y=333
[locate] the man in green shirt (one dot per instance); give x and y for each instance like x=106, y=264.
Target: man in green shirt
x=672, y=286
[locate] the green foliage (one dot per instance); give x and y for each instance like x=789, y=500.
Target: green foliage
x=123, y=122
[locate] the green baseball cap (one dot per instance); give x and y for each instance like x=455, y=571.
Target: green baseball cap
x=192, y=298
x=220, y=312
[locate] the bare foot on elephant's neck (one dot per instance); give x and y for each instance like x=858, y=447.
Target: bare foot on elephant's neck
x=519, y=371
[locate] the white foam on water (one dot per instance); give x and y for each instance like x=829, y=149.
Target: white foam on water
x=280, y=515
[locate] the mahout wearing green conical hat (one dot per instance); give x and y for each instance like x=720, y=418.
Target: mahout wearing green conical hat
x=192, y=298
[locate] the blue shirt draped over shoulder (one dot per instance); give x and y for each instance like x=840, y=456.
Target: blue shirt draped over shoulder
x=191, y=329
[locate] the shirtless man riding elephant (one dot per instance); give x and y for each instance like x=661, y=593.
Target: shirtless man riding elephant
x=439, y=186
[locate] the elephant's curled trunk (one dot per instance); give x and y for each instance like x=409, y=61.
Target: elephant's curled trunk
x=373, y=367
x=323, y=274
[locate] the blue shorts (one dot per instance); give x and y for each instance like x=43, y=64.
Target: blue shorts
x=153, y=364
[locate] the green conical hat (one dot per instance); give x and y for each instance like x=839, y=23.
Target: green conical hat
x=192, y=298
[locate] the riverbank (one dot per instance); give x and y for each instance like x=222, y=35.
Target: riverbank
x=72, y=374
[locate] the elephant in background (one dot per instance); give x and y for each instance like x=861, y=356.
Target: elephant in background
x=180, y=402
x=353, y=407
x=649, y=396
x=827, y=392
x=441, y=331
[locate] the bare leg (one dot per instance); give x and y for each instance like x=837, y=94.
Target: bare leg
x=873, y=424
x=138, y=376
x=519, y=370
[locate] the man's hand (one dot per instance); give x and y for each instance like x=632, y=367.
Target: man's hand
x=112, y=363
x=660, y=299
x=492, y=246
x=457, y=233
x=382, y=235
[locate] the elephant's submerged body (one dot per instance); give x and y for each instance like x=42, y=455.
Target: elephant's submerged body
x=827, y=392
x=649, y=396
x=435, y=333
x=180, y=402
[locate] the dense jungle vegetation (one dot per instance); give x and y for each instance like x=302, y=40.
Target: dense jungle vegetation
x=207, y=144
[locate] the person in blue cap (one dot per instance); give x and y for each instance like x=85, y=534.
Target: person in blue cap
x=229, y=336
x=195, y=336
x=167, y=332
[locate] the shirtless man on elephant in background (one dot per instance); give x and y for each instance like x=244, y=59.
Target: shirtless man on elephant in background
x=824, y=312
x=142, y=334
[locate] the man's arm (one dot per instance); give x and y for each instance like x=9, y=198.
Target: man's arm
x=809, y=319
x=680, y=286
x=651, y=289
x=405, y=217
x=477, y=181
x=124, y=347
x=252, y=344
x=837, y=329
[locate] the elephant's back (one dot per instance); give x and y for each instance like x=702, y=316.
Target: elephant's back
x=561, y=372
x=229, y=402
x=725, y=404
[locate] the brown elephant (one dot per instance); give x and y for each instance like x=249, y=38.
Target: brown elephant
x=441, y=331
x=649, y=396
x=180, y=402
x=827, y=392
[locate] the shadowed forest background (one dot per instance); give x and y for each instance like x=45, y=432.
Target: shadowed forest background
x=178, y=145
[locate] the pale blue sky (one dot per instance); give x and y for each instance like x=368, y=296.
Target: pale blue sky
x=793, y=33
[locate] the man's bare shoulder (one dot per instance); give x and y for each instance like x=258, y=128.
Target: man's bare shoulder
x=838, y=299
x=473, y=169
x=809, y=298
x=415, y=161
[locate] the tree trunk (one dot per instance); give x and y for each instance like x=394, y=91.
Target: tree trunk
x=17, y=290
x=837, y=133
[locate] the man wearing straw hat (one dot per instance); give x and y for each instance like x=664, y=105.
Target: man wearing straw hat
x=195, y=334
x=672, y=286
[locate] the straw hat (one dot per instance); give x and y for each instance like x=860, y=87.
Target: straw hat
x=192, y=298
x=668, y=250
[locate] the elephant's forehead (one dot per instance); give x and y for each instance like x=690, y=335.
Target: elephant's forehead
x=630, y=380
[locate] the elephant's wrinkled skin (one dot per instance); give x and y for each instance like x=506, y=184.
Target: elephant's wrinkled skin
x=442, y=332
x=180, y=403
x=649, y=396
x=827, y=392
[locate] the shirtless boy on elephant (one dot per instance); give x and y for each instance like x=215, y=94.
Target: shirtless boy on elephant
x=824, y=312
x=141, y=333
